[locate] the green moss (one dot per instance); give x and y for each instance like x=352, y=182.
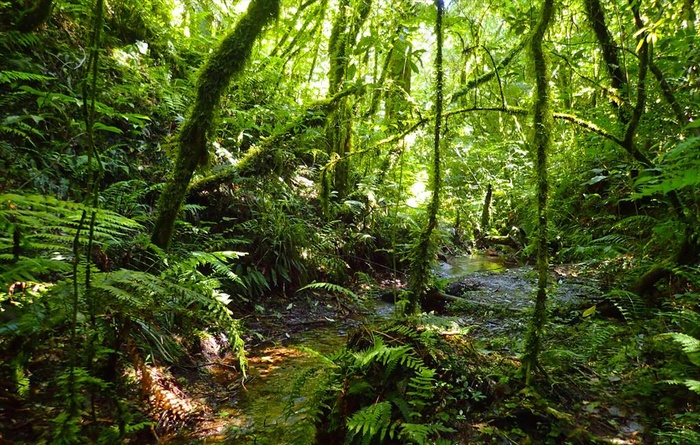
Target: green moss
x=346, y=26
x=227, y=61
x=541, y=142
x=425, y=249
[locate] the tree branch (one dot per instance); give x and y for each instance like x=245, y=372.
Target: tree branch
x=490, y=75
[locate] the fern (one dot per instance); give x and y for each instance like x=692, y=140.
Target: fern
x=14, y=76
x=630, y=305
x=371, y=421
x=125, y=197
x=330, y=287
x=388, y=382
x=599, y=340
x=679, y=436
x=614, y=242
x=690, y=274
x=403, y=330
x=42, y=218
x=10, y=39
x=29, y=269
x=637, y=224
x=421, y=433
x=217, y=261
x=690, y=345
x=13, y=126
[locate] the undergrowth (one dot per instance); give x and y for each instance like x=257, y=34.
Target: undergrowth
x=81, y=320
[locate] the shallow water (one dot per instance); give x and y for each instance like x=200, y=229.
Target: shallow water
x=257, y=414
x=461, y=266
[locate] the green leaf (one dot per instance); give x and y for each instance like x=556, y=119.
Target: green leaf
x=102, y=127
x=352, y=69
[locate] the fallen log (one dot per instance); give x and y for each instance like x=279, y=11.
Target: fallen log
x=504, y=240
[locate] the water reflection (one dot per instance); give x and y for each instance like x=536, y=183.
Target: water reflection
x=460, y=266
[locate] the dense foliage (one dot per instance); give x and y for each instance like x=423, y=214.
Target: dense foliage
x=170, y=167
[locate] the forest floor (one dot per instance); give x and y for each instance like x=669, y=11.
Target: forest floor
x=584, y=393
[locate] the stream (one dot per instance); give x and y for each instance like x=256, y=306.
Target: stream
x=495, y=293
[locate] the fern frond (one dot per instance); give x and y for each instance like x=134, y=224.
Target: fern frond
x=614, y=242
x=690, y=345
x=635, y=223
x=13, y=76
x=691, y=274
x=630, y=305
x=44, y=218
x=9, y=39
x=403, y=330
x=133, y=290
x=370, y=421
x=158, y=344
x=330, y=287
x=30, y=269
x=599, y=340
x=693, y=385
x=421, y=433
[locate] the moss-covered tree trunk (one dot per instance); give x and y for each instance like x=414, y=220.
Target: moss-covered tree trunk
x=226, y=61
x=541, y=142
x=618, y=80
x=346, y=26
x=400, y=85
x=422, y=257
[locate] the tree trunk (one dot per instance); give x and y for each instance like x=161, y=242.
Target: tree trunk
x=596, y=18
x=346, y=27
x=424, y=250
x=486, y=211
x=227, y=61
x=541, y=141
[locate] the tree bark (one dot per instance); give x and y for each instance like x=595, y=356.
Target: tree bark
x=541, y=142
x=346, y=26
x=227, y=61
x=486, y=211
x=596, y=18
x=491, y=74
x=423, y=252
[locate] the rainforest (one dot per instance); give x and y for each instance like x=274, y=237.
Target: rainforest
x=349, y=222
